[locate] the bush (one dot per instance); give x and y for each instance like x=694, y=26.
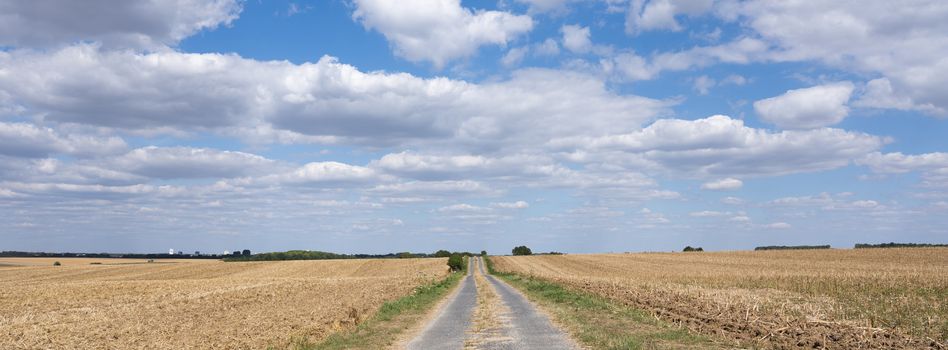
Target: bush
x=522, y=250
x=56, y=264
x=456, y=262
x=690, y=249
x=483, y=253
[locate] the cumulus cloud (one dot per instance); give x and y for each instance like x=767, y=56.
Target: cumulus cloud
x=511, y=205
x=897, y=162
x=576, y=38
x=134, y=23
x=329, y=174
x=514, y=56
x=440, y=167
x=326, y=99
x=778, y=226
x=438, y=30
x=873, y=36
x=808, y=108
x=719, y=145
x=646, y=15
x=728, y=184
x=31, y=141
x=186, y=163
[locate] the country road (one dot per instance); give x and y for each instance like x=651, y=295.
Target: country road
x=509, y=322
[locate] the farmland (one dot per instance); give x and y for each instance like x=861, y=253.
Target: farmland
x=878, y=298
x=195, y=304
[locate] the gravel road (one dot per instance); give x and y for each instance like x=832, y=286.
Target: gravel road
x=526, y=327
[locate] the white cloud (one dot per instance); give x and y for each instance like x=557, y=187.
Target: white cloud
x=137, y=24
x=576, y=38
x=778, y=226
x=732, y=201
x=514, y=56
x=438, y=30
x=808, y=108
x=894, y=163
x=430, y=167
x=740, y=218
x=511, y=205
x=719, y=145
x=324, y=101
x=703, y=84
x=864, y=36
x=186, y=162
x=328, y=174
x=463, y=208
x=31, y=141
x=728, y=184
x=708, y=213
x=548, y=47
x=660, y=14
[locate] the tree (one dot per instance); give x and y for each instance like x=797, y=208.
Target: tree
x=246, y=252
x=405, y=255
x=455, y=262
x=690, y=249
x=522, y=250
x=483, y=253
x=442, y=254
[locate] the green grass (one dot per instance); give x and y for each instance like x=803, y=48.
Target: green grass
x=599, y=323
x=393, y=318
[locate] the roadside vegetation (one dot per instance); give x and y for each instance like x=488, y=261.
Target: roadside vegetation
x=599, y=323
x=384, y=328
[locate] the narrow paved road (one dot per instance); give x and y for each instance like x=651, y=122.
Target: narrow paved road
x=447, y=330
x=525, y=328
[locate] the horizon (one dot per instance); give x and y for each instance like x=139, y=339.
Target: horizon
x=354, y=127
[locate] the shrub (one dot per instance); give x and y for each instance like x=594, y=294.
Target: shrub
x=56, y=263
x=690, y=249
x=455, y=262
x=522, y=250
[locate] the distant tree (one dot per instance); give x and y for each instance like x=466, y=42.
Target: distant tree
x=405, y=255
x=236, y=253
x=456, y=262
x=442, y=254
x=483, y=253
x=522, y=250
x=246, y=252
x=56, y=263
x=690, y=249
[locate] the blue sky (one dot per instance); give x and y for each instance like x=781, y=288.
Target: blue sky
x=377, y=126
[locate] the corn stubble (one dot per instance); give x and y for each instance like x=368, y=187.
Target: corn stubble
x=867, y=298
x=200, y=305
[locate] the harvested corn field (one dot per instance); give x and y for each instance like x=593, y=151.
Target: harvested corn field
x=197, y=305
x=867, y=298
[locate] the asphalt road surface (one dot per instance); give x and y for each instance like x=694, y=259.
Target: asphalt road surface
x=447, y=330
x=525, y=328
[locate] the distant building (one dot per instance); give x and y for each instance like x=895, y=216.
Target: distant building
x=197, y=252
x=171, y=251
x=226, y=252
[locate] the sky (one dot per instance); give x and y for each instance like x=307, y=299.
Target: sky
x=376, y=126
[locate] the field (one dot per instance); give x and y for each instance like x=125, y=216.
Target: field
x=193, y=304
x=867, y=298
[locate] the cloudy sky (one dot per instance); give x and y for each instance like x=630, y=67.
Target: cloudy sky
x=379, y=126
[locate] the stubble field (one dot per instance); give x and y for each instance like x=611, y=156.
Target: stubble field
x=196, y=304
x=838, y=299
